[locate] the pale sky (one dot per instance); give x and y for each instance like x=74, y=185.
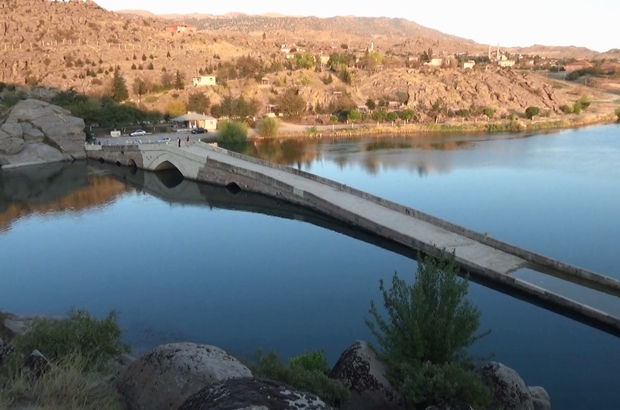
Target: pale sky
x=593, y=23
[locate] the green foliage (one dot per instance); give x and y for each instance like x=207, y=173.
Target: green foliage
x=577, y=107
x=96, y=341
x=119, y=91
x=406, y=115
x=291, y=103
x=11, y=98
x=567, y=109
x=68, y=385
x=379, y=115
x=232, y=132
x=268, y=127
x=333, y=119
x=179, y=81
x=391, y=116
x=618, y=113
x=424, y=339
x=305, y=60
x=463, y=113
x=584, y=101
x=370, y=103
x=531, y=112
x=235, y=107
x=327, y=79
x=198, y=102
x=489, y=112
x=306, y=372
x=354, y=115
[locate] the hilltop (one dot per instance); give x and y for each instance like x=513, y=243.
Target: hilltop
x=79, y=45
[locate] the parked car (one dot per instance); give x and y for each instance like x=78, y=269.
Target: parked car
x=138, y=132
x=164, y=139
x=198, y=131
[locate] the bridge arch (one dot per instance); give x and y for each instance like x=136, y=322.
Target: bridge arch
x=233, y=187
x=167, y=161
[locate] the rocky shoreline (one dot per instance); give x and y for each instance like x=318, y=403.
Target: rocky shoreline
x=190, y=376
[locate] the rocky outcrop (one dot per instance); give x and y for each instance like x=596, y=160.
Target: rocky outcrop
x=363, y=373
x=541, y=398
x=168, y=375
x=37, y=132
x=507, y=388
x=250, y=393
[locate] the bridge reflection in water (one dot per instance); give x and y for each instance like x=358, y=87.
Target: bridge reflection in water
x=170, y=186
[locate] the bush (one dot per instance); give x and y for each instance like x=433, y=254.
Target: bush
x=67, y=385
x=423, y=342
x=577, y=107
x=531, y=112
x=618, y=113
x=584, y=101
x=232, y=132
x=307, y=372
x=566, y=109
x=268, y=127
x=95, y=341
x=489, y=112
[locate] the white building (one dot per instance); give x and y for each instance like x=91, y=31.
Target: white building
x=203, y=80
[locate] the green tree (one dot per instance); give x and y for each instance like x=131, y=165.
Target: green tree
x=618, y=113
x=423, y=341
x=140, y=88
x=379, y=115
x=577, y=107
x=489, y=112
x=463, y=113
x=584, y=101
x=198, y=102
x=439, y=108
x=392, y=116
x=354, y=115
x=232, y=132
x=333, y=119
x=370, y=103
x=531, y=112
x=119, y=88
x=268, y=127
x=291, y=103
x=407, y=115
x=175, y=108
x=166, y=81
x=179, y=83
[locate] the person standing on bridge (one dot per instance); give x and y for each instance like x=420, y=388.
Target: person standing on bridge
x=179, y=142
x=188, y=140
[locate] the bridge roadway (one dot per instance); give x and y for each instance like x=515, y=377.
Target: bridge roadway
x=475, y=253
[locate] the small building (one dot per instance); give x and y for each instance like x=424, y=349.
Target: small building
x=506, y=63
x=203, y=80
x=265, y=81
x=578, y=65
x=194, y=120
x=435, y=62
x=469, y=64
x=180, y=28
x=362, y=109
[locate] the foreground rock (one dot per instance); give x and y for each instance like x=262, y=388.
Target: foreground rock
x=255, y=394
x=37, y=132
x=363, y=373
x=507, y=388
x=167, y=376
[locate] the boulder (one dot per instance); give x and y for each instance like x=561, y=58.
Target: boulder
x=252, y=394
x=507, y=388
x=35, y=365
x=38, y=122
x=540, y=404
x=363, y=373
x=539, y=392
x=168, y=375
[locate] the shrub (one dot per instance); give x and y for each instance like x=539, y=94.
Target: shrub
x=566, y=109
x=307, y=372
x=489, y=112
x=618, y=113
x=531, y=112
x=96, y=341
x=423, y=341
x=67, y=385
x=577, y=107
x=268, y=127
x=584, y=101
x=232, y=132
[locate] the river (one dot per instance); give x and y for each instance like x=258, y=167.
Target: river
x=190, y=262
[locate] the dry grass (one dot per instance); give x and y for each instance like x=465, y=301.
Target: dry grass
x=66, y=386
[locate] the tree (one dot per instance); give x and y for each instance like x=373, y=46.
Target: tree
x=139, y=87
x=232, y=132
x=268, y=127
x=198, y=102
x=291, y=103
x=618, y=113
x=176, y=108
x=370, y=103
x=426, y=56
x=423, y=341
x=489, y=112
x=407, y=115
x=166, y=80
x=178, y=81
x=119, y=88
x=463, y=113
x=333, y=119
x=379, y=115
x=439, y=107
x=531, y=112
x=353, y=115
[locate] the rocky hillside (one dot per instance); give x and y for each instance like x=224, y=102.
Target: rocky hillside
x=79, y=44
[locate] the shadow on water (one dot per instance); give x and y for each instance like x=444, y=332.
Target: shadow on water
x=188, y=192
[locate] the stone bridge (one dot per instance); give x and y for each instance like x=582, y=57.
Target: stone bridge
x=475, y=253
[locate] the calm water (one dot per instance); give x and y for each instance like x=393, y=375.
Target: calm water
x=190, y=262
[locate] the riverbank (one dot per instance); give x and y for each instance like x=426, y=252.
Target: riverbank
x=520, y=125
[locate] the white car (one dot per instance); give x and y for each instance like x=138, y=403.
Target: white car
x=138, y=132
x=163, y=139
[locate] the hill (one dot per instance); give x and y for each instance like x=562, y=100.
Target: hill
x=79, y=45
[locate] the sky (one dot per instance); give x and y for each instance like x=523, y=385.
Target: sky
x=593, y=23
